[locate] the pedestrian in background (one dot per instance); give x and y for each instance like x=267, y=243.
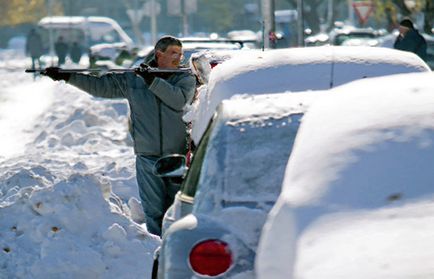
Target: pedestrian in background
x=156, y=108
x=75, y=53
x=34, y=47
x=61, y=49
x=409, y=39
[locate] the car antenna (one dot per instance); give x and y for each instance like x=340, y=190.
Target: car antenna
x=263, y=34
x=332, y=69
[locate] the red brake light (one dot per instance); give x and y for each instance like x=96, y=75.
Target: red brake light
x=210, y=257
x=213, y=64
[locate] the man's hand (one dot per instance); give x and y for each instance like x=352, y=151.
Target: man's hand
x=55, y=74
x=142, y=71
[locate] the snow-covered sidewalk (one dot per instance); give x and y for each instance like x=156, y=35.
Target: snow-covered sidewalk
x=68, y=194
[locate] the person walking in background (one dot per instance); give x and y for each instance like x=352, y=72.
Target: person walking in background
x=34, y=47
x=409, y=39
x=156, y=104
x=75, y=53
x=61, y=49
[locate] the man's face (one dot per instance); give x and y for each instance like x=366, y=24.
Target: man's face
x=171, y=58
x=403, y=30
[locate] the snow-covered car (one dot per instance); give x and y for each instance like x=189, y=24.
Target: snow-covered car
x=365, y=36
x=255, y=72
x=357, y=197
x=319, y=39
x=234, y=180
x=295, y=69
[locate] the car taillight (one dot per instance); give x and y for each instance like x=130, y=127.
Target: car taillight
x=210, y=257
x=213, y=64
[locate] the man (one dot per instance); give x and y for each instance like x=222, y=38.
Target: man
x=156, y=104
x=61, y=49
x=34, y=47
x=409, y=39
x=75, y=53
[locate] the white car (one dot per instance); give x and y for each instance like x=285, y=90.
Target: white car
x=212, y=228
x=295, y=69
x=357, y=199
x=253, y=73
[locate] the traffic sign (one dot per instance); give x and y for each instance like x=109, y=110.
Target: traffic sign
x=363, y=10
x=151, y=8
x=180, y=7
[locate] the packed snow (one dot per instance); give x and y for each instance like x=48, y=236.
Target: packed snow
x=68, y=194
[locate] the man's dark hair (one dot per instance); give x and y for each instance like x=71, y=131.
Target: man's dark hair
x=166, y=41
x=406, y=22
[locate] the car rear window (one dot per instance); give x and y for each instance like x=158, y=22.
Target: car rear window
x=254, y=158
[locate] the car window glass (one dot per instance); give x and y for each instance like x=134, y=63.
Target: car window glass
x=254, y=158
x=69, y=36
x=189, y=186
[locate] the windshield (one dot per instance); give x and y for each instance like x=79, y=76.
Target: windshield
x=69, y=36
x=84, y=36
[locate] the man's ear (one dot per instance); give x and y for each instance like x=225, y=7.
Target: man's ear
x=158, y=54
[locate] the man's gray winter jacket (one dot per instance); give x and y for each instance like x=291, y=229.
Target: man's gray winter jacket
x=156, y=110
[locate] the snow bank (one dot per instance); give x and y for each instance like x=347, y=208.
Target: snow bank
x=68, y=194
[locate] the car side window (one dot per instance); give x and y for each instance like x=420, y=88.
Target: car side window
x=189, y=186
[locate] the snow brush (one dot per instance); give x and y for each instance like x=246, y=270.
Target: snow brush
x=139, y=69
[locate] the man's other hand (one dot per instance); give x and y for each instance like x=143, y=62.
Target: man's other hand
x=146, y=75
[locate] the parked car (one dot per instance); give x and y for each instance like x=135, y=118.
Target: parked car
x=319, y=39
x=254, y=73
x=357, y=197
x=235, y=175
x=364, y=36
x=295, y=69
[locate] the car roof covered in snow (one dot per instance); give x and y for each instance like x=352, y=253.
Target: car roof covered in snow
x=296, y=69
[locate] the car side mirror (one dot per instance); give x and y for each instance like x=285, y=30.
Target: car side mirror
x=173, y=165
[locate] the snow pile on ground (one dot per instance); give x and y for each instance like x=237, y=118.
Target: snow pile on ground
x=68, y=195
